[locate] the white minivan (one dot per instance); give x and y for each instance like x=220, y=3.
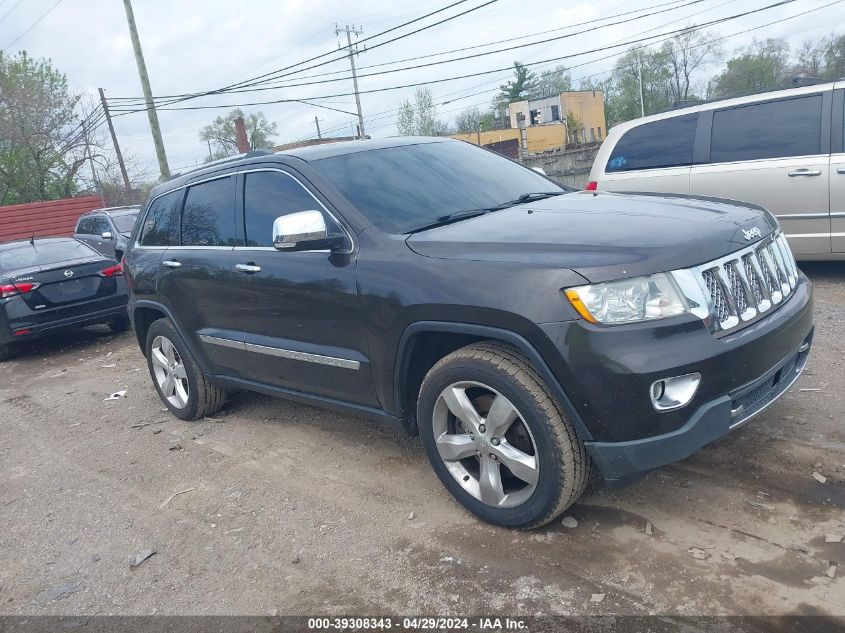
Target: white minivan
x=782, y=150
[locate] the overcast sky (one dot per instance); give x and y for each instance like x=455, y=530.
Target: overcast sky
x=194, y=45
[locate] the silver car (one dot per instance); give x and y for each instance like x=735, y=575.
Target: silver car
x=782, y=150
x=107, y=230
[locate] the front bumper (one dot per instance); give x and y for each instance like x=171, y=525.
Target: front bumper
x=607, y=372
x=620, y=462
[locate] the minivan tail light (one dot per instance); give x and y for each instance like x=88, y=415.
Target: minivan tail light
x=10, y=290
x=112, y=271
x=591, y=186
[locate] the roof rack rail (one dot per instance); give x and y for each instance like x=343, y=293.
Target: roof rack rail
x=228, y=159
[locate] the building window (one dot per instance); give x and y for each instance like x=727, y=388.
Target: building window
x=555, y=113
x=535, y=117
x=592, y=135
x=599, y=129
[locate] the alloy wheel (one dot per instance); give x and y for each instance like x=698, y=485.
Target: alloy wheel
x=485, y=444
x=170, y=373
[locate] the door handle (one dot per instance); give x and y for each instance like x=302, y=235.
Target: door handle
x=248, y=268
x=805, y=172
x=841, y=171
x=169, y=263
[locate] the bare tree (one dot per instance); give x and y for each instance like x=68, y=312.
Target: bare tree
x=685, y=54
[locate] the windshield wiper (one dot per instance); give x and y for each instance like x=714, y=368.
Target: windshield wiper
x=449, y=218
x=538, y=195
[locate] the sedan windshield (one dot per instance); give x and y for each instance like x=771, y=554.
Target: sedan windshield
x=400, y=189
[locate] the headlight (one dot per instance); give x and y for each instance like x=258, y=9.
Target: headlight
x=628, y=300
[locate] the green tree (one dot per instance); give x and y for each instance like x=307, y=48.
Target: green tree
x=419, y=118
x=835, y=57
x=551, y=83
x=574, y=128
x=41, y=140
x=224, y=140
x=522, y=84
x=622, y=96
x=757, y=68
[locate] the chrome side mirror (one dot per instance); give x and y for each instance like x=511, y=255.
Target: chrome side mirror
x=106, y=235
x=301, y=231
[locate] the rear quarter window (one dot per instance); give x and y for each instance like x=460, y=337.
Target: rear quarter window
x=777, y=129
x=161, y=224
x=664, y=143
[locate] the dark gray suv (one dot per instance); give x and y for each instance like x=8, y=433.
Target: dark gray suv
x=107, y=230
x=528, y=333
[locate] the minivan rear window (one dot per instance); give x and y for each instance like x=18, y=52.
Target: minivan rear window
x=776, y=129
x=664, y=143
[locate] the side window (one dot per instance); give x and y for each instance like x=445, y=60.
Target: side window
x=161, y=226
x=208, y=218
x=268, y=195
x=790, y=127
x=101, y=225
x=664, y=143
x=85, y=226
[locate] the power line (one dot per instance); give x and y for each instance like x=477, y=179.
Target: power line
x=275, y=72
x=34, y=24
x=466, y=48
x=666, y=36
x=14, y=6
x=388, y=113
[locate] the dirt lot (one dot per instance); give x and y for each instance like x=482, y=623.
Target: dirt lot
x=291, y=509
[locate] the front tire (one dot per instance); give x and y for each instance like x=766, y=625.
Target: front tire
x=177, y=377
x=497, y=439
x=119, y=325
x=7, y=351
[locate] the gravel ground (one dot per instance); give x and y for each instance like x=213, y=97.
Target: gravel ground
x=288, y=509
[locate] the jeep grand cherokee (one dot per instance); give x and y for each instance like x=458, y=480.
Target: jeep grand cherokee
x=528, y=333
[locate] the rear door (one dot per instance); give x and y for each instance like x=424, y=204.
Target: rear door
x=300, y=310
x=194, y=279
x=654, y=157
x=85, y=230
x=837, y=173
x=775, y=154
x=102, y=226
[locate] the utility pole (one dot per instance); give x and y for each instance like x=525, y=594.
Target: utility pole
x=97, y=186
x=163, y=167
x=116, y=146
x=317, y=123
x=352, y=53
x=640, y=71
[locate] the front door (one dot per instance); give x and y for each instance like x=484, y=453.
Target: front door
x=299, y=310
x=774, y=154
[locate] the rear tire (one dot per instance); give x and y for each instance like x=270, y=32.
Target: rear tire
x=177, y=377
x=7, y=351
x=522, y=464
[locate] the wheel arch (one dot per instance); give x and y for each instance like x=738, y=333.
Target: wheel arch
x=414, y=358
x=144, y=313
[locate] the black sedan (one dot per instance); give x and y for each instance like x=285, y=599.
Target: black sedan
x=50, y=284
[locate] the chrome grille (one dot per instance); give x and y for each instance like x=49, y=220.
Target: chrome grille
x=735, y=287
x=746, y=284
x=720, y=305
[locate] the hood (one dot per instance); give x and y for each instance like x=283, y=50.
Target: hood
x=603, y=236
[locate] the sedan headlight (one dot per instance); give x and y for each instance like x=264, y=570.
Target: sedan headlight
x=629, y=300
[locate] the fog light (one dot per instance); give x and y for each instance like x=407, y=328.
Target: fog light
x=673, y=393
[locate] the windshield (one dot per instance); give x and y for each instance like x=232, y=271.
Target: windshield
x=402, y=188
x=124, y=223
x=42, y=254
